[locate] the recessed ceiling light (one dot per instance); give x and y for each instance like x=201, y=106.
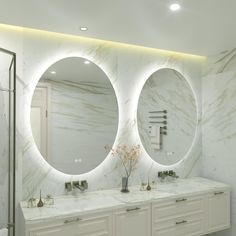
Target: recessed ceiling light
x=86, y=62
x=53, y=72
x=175, y=7
x=83, y=28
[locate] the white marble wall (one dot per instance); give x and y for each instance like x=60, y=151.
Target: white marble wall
x=128, y=67
x=219, y=124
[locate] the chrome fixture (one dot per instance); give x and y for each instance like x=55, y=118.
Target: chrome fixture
x=81, y=185
x=169, y=173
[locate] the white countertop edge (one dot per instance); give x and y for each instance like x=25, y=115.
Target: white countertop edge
x=119, y=203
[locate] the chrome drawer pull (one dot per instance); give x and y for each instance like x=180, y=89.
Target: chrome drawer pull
x=181, y=222
x=218, y=193
x=72, y=220
x=133, y=209
x=181, y=200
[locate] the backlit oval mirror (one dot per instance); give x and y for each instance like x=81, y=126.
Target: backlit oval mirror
x=167, y=116
x=74, y=114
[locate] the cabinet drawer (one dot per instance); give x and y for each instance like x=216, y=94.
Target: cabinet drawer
x=95, y=226
x=177, y=207
x=181, y=226
x=132, y=221
x=77, y=226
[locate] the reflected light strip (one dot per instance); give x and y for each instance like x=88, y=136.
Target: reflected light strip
x=111, y=43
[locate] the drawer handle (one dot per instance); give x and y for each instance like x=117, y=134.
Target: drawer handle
x=72, y=220
x=133, y=209
x=181, y=222
x=181, y=200
x=218, y=193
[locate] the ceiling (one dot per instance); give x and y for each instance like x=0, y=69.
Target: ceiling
x=202, y=27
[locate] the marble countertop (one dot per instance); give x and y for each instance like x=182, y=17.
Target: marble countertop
x=112, y=199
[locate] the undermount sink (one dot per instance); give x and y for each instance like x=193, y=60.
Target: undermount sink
x=140, y=196
x=86, y=202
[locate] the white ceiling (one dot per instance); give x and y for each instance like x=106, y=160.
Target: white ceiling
x=202, y=27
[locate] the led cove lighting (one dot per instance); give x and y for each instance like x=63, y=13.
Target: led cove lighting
x=174, y=7
x=83, y=28
x=126, y=46
x=53, y=72
x=86, y=62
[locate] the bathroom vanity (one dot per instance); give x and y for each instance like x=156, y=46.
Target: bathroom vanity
x=186, y=207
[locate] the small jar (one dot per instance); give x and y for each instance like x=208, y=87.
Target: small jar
x=143, y=187
x=31, y=203
x=154, y=184
x=48, y=201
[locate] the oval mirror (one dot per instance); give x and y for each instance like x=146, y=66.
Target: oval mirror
x=167, y=116
x=74, y=114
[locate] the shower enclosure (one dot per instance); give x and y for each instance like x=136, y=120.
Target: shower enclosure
x=7, y=141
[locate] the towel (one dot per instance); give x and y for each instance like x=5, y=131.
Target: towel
x=155, y=136
x=3, y=232
x=153, y=132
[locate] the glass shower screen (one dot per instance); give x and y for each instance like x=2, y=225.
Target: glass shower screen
x=7, y=142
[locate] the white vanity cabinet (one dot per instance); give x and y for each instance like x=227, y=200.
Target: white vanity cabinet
x=132, y=221
x=182, y=216
x=189, y=207
x=191, y=216
x=91, y=225
x=218, y=211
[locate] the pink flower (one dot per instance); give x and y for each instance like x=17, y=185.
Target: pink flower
x=128, y=156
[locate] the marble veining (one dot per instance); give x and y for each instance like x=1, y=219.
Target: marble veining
x=219, y=124
x=168, y=90
x=222, y=62
x=127, y=68
x=107, y=200
x=126, y=80
x=83, y=120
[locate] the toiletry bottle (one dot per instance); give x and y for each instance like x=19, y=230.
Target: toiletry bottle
x=40, y=203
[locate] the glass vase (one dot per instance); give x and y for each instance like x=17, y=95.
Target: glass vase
x=125, y=181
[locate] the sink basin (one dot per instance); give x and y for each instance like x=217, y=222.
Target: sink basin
x=139, y=196
x=85, y=203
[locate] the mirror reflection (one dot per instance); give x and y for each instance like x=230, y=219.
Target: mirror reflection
x=74, y=114
x=167, y=116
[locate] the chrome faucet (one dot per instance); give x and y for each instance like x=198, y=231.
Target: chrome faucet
x=81, y=185
x=164, y=174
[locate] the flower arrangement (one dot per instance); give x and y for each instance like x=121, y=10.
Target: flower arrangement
x=128, y=157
